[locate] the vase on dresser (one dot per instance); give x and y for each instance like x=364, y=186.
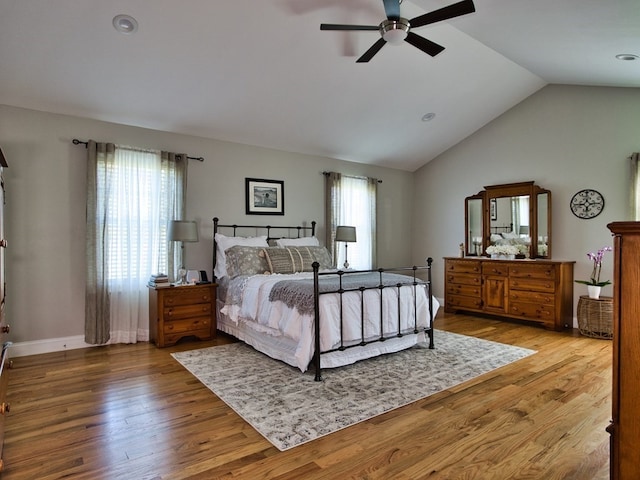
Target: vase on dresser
x=594, y=291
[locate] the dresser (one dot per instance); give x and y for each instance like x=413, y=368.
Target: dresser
x=625, y=423
x=536, y=291
x=5, y=363
x=183, y=311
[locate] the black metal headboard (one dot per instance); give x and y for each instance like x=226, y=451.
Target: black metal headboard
x=301, y=231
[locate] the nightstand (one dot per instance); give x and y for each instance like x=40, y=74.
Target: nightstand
x=182, y=311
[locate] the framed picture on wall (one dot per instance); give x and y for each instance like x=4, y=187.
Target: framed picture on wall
x=493, y=208
x=264, y=197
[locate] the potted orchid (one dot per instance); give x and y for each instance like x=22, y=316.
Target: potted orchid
x=594, y=284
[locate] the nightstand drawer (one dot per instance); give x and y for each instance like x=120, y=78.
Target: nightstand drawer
x=187, y=311
x=190, y=325
x=187, y=296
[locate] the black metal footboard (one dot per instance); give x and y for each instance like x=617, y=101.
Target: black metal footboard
x=347, y=284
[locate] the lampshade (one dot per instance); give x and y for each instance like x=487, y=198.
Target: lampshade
x=345, y=234
x=183, y=231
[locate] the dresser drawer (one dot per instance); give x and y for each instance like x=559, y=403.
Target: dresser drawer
x=532, y=297
x=495, y=267
x=535, y=285
x=466, y=290
x=533, y=311
x=463, y=266
x=461, y=301
x=182, y=296
x=530, y=270
x=464, y=279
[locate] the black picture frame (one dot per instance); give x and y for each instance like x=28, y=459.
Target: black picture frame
x=493, y=209
x=264, y=197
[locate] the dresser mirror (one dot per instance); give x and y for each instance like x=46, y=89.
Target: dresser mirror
x=515, y=214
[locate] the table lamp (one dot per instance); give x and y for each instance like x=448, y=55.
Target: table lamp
x=345, y=234
x=182, y=231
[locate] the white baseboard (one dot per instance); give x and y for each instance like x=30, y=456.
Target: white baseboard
x=35, y=347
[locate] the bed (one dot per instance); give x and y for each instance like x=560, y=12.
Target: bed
x=279, y=292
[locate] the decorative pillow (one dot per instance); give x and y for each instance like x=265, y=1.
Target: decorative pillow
x=243, y=260
x=289, y=259
x=322, y=256
x=298, y=242
x=223, y=243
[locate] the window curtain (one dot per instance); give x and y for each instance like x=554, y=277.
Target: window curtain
x=352, y=201
x=132, y=194
x=635, y=186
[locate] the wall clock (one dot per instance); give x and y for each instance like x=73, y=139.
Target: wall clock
x=587, y=203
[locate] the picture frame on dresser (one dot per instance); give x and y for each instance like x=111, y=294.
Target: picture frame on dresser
x=264, y=197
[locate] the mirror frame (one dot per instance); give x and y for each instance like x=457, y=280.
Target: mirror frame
x=493, y=192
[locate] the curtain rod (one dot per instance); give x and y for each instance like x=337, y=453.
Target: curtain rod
x=86, y=144
x=326, y=174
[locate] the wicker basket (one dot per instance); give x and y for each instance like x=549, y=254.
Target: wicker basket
x=595, y=317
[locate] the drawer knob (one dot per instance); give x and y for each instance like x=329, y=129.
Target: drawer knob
x=5, y=329
x=4, y=408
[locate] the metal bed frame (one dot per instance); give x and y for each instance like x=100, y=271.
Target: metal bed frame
x=412, y=280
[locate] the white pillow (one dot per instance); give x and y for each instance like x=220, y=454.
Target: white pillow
x=223, y=242
x=298, y=242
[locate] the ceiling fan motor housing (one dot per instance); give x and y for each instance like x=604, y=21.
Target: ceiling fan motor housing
x=395, y=31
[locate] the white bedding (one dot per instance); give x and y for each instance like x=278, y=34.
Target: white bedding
x=286, y=325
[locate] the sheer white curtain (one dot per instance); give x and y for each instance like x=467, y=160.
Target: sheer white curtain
x=634, y=159
x=132, y=195
x=351, y=201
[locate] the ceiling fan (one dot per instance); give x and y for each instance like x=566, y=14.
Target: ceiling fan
x=396, y=29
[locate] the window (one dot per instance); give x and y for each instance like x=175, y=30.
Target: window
x=351, y=201
x=132, y=194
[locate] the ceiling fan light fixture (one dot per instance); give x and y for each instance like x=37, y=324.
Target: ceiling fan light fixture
x=395, y=31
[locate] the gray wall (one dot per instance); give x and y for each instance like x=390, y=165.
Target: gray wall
x=46, y=207
x=563, y=137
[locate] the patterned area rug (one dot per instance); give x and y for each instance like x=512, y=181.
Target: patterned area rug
x=289, y=408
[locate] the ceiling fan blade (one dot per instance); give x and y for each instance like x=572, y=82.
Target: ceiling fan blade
x=375, y=48
x=392, y=9
x=427, y=46
x=445, y=13
x=333, y=26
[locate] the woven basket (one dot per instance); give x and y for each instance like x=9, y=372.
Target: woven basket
x=595, y=317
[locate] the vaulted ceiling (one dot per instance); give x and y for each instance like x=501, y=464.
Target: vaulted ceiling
x=262, y=73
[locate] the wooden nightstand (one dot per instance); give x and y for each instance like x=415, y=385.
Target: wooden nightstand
x=184, y=311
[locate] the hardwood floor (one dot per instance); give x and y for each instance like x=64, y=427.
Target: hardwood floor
x=132, y=412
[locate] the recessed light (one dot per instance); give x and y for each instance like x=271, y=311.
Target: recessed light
x=627, y=57
x=427, y=117
x=125, y=24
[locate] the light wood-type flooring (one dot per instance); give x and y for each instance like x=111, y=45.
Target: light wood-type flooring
x=132, y=412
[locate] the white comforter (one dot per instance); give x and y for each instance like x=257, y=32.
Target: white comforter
x=278, y=319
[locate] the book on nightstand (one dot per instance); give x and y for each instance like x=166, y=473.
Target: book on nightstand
x=159, y=280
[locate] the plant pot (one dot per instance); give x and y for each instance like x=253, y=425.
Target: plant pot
x=594, y=291
x=503, y=256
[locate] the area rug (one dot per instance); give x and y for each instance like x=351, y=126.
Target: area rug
x=289, y=408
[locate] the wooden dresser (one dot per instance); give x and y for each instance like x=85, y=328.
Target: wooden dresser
x=537, y=291
x=625, y=422
x=184, y=311
x=5, y=363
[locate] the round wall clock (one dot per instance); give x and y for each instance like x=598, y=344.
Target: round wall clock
x=587, y=203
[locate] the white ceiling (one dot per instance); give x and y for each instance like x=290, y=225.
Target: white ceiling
x=262, y=72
